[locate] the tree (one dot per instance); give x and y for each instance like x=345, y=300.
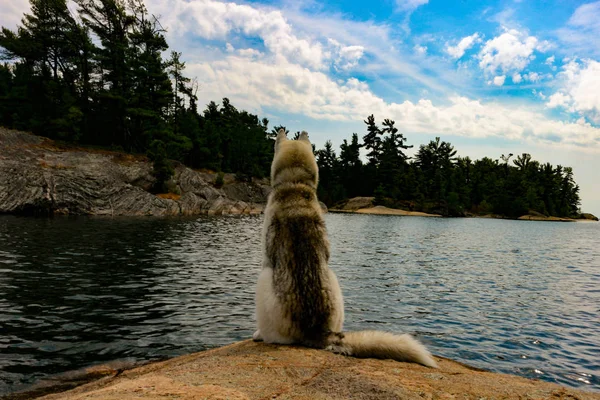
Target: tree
x=109, y=22
x=275, y=131
x=392, y=165
x=436, y=161
x=151, y=94
x=522, y=161
x=46, y=52
x=161, y=168
x=372, y=141
x=351, y=168
x=330, y=189
x=182, y=86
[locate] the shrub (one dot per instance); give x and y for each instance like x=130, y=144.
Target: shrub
x=219, y=180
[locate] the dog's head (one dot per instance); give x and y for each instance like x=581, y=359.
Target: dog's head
x=294, y=161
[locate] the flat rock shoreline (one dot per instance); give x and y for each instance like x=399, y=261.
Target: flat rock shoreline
x=41, y=177
x=248, y=370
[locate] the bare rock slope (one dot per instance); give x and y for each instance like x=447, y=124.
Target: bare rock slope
x=248, y=370
x=37, y=176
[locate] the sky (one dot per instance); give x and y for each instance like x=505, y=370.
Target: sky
x=490, y=77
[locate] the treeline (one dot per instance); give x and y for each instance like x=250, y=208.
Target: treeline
x=437, y=180
x=101, y=79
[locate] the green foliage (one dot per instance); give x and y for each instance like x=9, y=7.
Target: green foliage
x=219, y=180
x=379, y=195
x=439, y=181
x=330, y=189
x=161, y=168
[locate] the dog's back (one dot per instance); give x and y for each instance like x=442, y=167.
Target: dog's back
x=296, y=247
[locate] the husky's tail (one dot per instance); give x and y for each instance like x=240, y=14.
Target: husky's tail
x=377, y=344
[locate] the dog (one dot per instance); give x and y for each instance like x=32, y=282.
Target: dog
x=298, y=297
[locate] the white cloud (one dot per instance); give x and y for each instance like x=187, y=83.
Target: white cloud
x=293, y=89
x=208, y=19
x=544, y=46
x=465, y=43
x=410, y=5
x=580, y=90
x=586, y=16
x=387, y=55
x=350, y=55
x=550, y=60
x=570, y=69
x=559, y=99
x=12, y=12
x=499, y=80
x=347, y=56
x=517, y=78
x=585, y=89
x=583, y=29
x=532, y=77
x=421, y=50
x=504, y=17
x=510, y=52
x=249, y=53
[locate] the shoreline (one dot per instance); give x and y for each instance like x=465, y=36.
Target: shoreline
x=382, y=210
x=250, y=370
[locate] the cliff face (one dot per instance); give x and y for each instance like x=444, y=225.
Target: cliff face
x=37, y=176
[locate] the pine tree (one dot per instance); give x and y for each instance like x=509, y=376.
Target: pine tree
x=330, y=189
x=351, y=168
x=46, y=48
x=372, y=141
x=109, y=22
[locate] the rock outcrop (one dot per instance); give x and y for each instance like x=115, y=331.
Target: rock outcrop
x=381, y=210
x=248, y=370
x=38, y=176
x=588, y=216
x=529, y=217
x=355, y=203
x=366, y=205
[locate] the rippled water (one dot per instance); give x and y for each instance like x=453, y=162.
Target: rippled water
x=508, y=296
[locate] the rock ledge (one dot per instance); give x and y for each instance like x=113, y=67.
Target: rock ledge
x=248, y=370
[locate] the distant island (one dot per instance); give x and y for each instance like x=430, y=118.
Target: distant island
x=101, y=81
x=366, y=205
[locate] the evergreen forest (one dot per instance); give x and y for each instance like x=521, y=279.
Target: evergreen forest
x=106, y=78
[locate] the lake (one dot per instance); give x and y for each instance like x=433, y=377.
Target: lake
x=518, y=297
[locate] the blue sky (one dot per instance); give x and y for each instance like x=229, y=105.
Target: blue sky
x=491, y=77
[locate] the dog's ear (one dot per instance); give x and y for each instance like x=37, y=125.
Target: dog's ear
x=304, y=136
x=281, y=137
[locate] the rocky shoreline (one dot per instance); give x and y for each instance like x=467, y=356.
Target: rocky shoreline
x=41, y=177
x=366, y=205
x=248, y=370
